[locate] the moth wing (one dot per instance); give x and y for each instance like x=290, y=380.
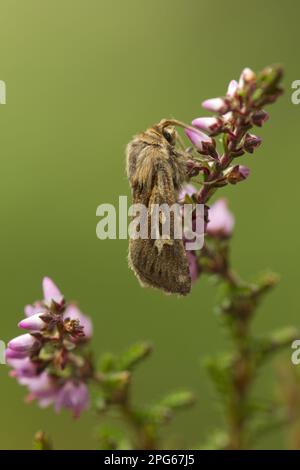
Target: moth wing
x=159, y=263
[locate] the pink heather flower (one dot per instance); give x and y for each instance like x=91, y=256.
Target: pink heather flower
x=37, y=307
x=244, y=171
x=22, y=368
x=221, y=220
x=33, y=323
x=23, y=343
x=24, y=353
x=12, y=354
x=238, y=173
x=193, y=265
x=232, y=89
x=73, y=312
x=188, y=190
x=252, y=142
x=198, y=138
x=41, y=388
x=216, y=105
x=51, y=292
x=207, y=124
x=73, y=396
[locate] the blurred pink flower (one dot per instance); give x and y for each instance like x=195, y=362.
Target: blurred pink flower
x=216, y=105
x=221, y=220
x=74, y=396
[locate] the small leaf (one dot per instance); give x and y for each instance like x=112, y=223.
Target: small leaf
x=134, y=355
x=177, y=400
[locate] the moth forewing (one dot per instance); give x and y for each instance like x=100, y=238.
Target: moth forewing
x=156, y=171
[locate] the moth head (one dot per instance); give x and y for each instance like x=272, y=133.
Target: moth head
x=170, y=134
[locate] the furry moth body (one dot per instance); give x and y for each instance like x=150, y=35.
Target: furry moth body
x=156, y=171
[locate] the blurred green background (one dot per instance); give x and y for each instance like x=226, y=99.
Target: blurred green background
x=82, y=77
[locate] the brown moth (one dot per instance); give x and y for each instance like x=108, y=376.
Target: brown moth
x=156, y=170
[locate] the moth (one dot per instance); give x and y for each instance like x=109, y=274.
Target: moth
x=156, y=170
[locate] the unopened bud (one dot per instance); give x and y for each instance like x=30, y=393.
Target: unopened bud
x=237, y=173
x=216, y=105
x=252, y=142
x=260, y=117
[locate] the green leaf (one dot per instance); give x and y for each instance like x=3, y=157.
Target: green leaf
x=135, y=354
x=177, y=400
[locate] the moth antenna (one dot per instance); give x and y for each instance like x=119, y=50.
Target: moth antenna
x=174, y=122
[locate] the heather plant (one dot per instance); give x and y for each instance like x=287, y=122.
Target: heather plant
x=53, y=360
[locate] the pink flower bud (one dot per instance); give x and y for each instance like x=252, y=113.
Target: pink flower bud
x=51, y=292
x=221, y=220
x=198, y=138
x=260, y=117
x=237, y=173
x=232, y=88
x=216, y=105
x=37, y=307
x=23, y=343
x=208, y=124
x=23, y=367
x=33, y=323
x=252, y=142
x=247, y=76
